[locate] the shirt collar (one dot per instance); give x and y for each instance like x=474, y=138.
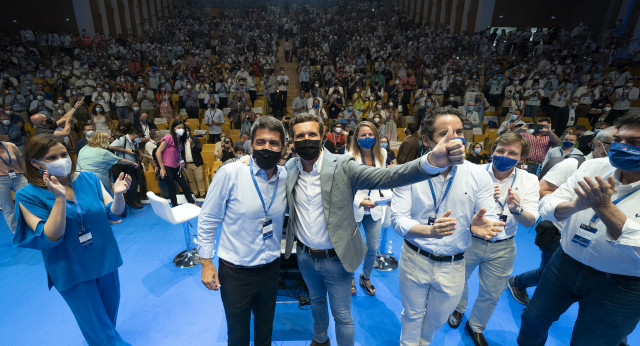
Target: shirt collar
x=317, y=166
x=494, y=177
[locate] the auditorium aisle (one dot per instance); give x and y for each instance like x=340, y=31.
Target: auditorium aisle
x=164, y=305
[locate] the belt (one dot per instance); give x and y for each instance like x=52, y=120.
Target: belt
x=229, y=264
x=317, y=253
x=437, y=258
x=492, y=241
x=533, y=162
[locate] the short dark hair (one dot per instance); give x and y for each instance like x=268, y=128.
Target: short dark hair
x=543, y=119
x=412, y=128
x=303, y=118
x=632, y=119
x=269, y=123
x=510, y=138
x=427, y=126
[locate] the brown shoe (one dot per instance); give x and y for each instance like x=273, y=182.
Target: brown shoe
x=478, y=338
x=315, y=343
x=519, y=294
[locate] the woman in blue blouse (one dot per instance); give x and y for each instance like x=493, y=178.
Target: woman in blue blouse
x=66, y=215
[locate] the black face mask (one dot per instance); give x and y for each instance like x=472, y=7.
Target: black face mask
x=266, y=159
x=307, y=149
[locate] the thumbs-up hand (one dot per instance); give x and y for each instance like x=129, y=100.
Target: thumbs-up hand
x=484, y=227
x=448, y=151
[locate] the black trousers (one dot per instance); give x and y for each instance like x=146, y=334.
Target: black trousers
x=214, y=138
x=249, y=290
x=173, y=176
x=131, y=196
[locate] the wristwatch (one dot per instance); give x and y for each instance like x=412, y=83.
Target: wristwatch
x=517, y=212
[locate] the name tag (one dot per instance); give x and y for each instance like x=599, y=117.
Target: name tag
x=12, y=174
x=503, y=218
x=267, y=229
x=85, y=237
x=431, y=220
x=585, y=235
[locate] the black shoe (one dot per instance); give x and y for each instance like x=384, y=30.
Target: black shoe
x=315, y=343
x=455, y=319
x=519, y=294
x=478, y=338
x=135, y=206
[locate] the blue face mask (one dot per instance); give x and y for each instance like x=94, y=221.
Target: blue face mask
x=624, y=156
x=503, y=163
x=316, y=106
x=384, y=145
x=470, y=108
x=342, y=120
x=567, y=144
x=428, y=104
x=367, y=142
x=477, y=150
x=464, y=141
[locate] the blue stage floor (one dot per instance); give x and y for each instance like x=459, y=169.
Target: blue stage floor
x=165, y=305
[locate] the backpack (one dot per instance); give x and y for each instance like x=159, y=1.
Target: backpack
x=556, y=160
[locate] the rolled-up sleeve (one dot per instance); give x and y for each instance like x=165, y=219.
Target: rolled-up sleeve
x=212, y=214
x=531, y=197
x=401, y=210
x=630, y=234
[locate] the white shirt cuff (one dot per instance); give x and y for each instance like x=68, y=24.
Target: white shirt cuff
x=206, y=250
x=428, y=168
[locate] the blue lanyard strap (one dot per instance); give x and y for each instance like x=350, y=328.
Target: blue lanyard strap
x=620, y=199
x=446, y=191
x=275, y=191
x=8, y=154
x=515, y=176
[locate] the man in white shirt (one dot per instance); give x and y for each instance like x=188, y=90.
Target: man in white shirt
x=598, y=264
x=249, y=203
x=299, y=104
x=214, y=118
x=436, y=218
x=512, y=122
x=623, y=97
x=533, y=97
x=547, y=235
x=516, y=194
x=281, y=96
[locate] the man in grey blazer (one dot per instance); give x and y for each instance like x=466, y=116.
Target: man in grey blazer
x=320, y=191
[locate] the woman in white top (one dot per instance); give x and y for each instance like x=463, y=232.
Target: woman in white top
x=365, y=148
x=101, y=121
x=392, y=122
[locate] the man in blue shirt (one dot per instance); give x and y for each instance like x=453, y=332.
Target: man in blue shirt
x=249, y=203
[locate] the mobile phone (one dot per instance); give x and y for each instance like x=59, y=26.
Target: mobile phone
x=536, y=127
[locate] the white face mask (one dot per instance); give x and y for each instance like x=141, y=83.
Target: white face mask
x=59, y=168
x=40, y=98
x=606, y=109
x=376, y=120
x=6, y=122
x=60, y=111
x=338, y=129
x=179, y=132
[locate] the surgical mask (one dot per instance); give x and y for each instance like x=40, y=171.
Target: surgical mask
x=339, y=129
x=624, y=156
x=139, y=80
x=316, y=106
x=367, y=142
x=98, y=110
x=503, y=163
x=60, y=101
x=6, y=122
x=282, y=72
x=606, y=109
x=179, y=132
x=428, y=104
x=470, y=108
x=535, y=87
x=89, y=133
x=574, y=104
x=384, y=145
x=142, y=88
x=137, y=140
x=514, y=117
x=307, y=149
x=516, y=96
x=8, y=112
x=567, y=144
x=390, y=104
x=350, y=108
x=515, y=82
x=12, y=91
x=60, y=111
x=59, y=168
x=629, y=85
x=99, y=89
x=376, y=120
x=135, y=109
x=477, y=150
x=266, y=159
x=40, y=98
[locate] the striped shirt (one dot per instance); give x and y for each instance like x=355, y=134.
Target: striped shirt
x=539, y=146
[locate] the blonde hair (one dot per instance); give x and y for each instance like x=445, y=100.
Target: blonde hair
x=99, y=140
x=355, y=147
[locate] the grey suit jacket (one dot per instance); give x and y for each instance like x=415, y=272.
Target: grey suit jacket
x=341, y=177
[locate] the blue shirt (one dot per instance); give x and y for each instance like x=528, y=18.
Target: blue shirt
x=66, y=261
x=232, y=201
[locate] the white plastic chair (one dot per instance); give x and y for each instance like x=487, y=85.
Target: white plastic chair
x=180, y=214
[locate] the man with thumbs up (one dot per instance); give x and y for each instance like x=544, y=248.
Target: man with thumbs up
x=516, y=194
x=435, y=217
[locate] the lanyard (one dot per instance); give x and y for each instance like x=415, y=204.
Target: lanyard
x=515, y=176
x=562, y=152
x=8, y=154
x=620, y=199
x=446, y=191
x=275, y=191
x=77, y=203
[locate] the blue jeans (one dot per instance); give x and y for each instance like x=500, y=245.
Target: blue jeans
x=609, y=304
x=372, y=235
x=532, y=277
x=6, y=201
x=322, y=276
